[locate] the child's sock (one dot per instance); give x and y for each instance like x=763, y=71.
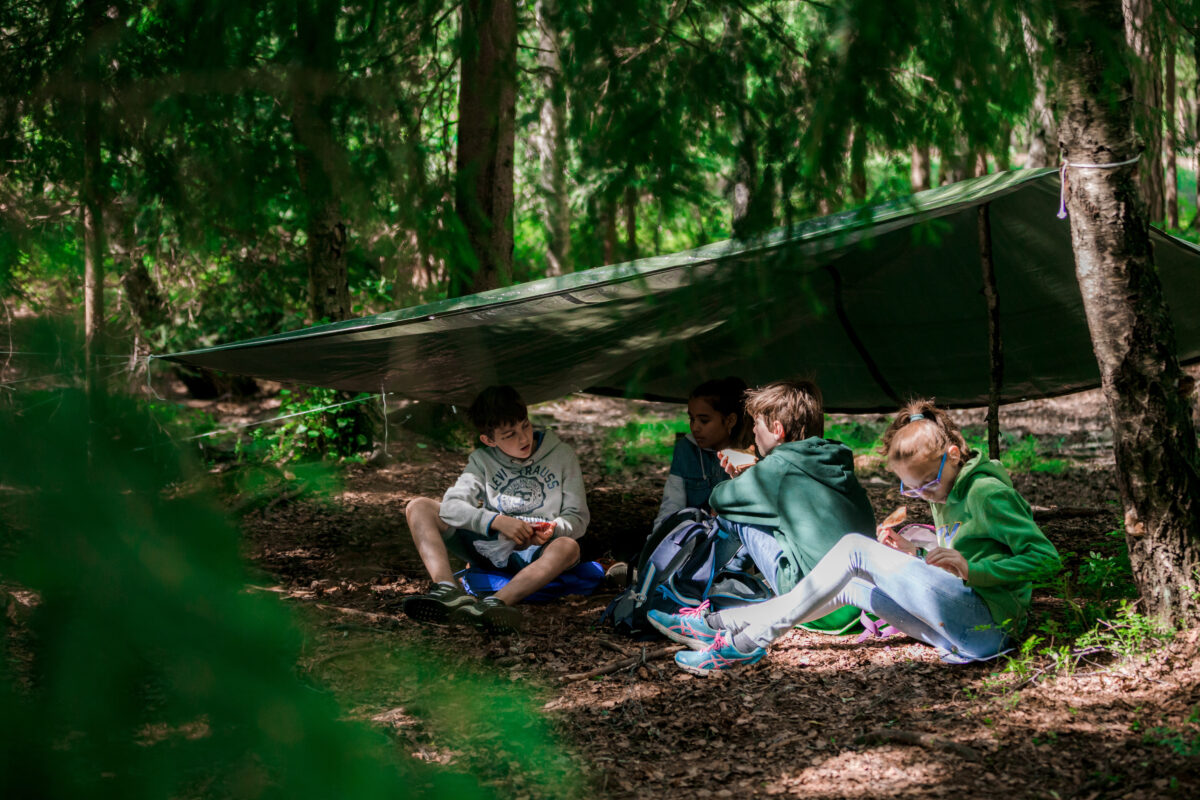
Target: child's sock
x=713, y=621
x=743, y=643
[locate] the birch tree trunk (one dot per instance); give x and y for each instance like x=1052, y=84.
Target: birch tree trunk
x=1144, y=37
x=1132, y=333
x=486, y=129
x=551, y=141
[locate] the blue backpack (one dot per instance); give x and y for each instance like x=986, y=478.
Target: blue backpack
x=686, y=561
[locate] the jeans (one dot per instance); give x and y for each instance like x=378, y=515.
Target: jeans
x=761, y=546
x=927, y=603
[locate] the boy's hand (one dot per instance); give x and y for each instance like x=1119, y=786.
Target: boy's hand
x=948, y=559
x=515, y=530
x=733, y=470
x=543, y=532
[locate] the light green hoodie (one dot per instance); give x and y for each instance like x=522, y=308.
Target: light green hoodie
x=986, y=520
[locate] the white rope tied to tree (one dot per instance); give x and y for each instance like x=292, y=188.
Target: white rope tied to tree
x=1062, y=178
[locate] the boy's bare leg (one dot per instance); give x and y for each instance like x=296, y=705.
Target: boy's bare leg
x=427, y=529
x=559, y=555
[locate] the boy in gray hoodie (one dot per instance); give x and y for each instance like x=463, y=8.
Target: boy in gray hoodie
x=518, y=507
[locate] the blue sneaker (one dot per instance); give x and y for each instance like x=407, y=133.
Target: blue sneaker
x=687, y=627
x=721, y=654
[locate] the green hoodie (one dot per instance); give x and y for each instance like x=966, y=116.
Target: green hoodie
x=992, y=526
x=807, y=493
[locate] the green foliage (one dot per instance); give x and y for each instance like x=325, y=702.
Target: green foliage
x=1185, y=742
x=1096, y=595
x=640, y=441
x=135, y=664
x=1020, y=455
x=863, y=438
x=1130, y=634
x=312, y=432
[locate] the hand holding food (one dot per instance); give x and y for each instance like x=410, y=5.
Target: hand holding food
x=543, y=532
x=886, y=533
x=735, y=461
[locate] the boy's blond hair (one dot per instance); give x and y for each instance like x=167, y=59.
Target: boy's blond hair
x=796, y=405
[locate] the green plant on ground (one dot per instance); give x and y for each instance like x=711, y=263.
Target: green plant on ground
x=862, y=437
x=320, y=427
x=1097, y=597
x=1026, y=454
x=1183, y=742
x=638, y=441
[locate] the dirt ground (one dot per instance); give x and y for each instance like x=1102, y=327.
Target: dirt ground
x=818, y=717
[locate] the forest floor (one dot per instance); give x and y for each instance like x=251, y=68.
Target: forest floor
x=820, y=716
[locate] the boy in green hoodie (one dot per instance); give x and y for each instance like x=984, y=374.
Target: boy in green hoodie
x=800, y=498
x=967, y=596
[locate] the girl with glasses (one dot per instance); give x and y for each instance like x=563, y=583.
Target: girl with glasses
x=967, y=596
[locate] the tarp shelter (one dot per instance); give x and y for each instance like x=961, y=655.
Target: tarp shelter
x=875, y=305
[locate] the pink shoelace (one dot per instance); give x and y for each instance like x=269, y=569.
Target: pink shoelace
x=699, y=611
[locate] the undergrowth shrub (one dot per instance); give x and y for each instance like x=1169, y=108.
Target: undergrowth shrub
x=134, y=663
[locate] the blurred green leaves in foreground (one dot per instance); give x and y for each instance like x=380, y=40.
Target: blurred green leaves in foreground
x=133, y=663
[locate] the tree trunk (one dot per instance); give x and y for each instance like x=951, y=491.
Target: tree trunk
x=1043, y=147
x=991, y=296
x=920, y=174
x=748, y=215
x=954, y=165
x=858, y=165
x=1171, y=185
x=1131, y=331
x=979, y=166
x=608, y=227
x=1144, y=37
x=486, y=129
x=551, y=141
x=318, y=162
x=92, y=195
x=1196, y=124
x=423, y=269
x=631, y=245
x=1003, y=155
x=147, y=302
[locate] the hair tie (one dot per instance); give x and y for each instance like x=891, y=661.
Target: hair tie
x=915, y=417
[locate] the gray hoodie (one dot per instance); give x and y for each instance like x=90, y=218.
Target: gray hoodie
x=546, y=487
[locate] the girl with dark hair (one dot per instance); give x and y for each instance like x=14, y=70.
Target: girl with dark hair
x=716, y=421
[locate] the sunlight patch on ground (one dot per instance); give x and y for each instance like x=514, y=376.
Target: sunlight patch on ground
x=879, y=772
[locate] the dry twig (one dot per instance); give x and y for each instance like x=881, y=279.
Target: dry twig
x=632, y=661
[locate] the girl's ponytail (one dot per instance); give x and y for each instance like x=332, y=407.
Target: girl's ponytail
x=920, y=428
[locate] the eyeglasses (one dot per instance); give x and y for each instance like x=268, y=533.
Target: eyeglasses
x=917, y=491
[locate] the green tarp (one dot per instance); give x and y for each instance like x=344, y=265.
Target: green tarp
x=875, y=305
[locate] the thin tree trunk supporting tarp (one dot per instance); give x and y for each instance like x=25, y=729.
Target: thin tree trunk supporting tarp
x=995, y=347
x=908, y=282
